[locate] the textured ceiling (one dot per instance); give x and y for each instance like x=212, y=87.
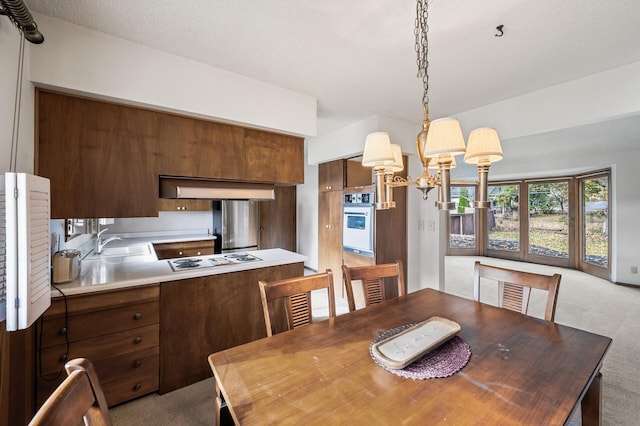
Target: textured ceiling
x=357, y=56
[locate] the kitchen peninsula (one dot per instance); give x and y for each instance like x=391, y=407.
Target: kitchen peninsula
x=108, y=272
x=149, y=327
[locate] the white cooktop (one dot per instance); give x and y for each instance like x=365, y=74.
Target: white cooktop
x=187, y=263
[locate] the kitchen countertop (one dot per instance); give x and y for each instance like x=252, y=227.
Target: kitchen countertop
x=115, y=272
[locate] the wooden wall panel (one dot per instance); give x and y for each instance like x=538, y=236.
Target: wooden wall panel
x=203, y=315
x=278, y=220
x=16, y=376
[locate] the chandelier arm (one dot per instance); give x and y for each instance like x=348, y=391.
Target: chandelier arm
x=399, y=181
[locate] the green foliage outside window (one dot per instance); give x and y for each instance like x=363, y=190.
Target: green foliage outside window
x=464, y=200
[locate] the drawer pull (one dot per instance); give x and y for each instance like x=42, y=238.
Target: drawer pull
x=63, y=358
x=63, y=331
x=137, y=340
x=137, y=387
x=137, y=363
x=137, y=315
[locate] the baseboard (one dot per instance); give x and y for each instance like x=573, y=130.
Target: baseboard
x=627, y=284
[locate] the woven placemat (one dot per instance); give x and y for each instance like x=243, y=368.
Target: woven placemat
x=444, y=361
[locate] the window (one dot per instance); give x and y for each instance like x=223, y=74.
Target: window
x=503, y=218
x=594, y=224
x=548, y=220
x=462, y=221
x=562, y=221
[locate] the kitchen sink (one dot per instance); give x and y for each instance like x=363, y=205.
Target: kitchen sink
x=139, y=250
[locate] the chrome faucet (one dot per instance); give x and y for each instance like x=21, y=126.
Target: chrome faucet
x=100, y=244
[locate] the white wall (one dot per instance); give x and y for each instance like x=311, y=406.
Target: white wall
x=604, y=96
x=307, y=214
x=86, y=61
x=9, y=46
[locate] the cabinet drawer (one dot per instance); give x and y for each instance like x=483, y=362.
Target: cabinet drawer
x=167, y=252
x=98, y=348
x=140, y=365
x=200, y=251
x=184, y=249
x=94, y=324
x=165, y=204
x=129, y=388
x=93, y=302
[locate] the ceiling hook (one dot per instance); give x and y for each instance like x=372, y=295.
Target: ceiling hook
x=499, y=28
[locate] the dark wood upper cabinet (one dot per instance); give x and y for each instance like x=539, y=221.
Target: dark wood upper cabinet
x=97, y=157
x=104, y=159
x=331, y=176
x=192, y=147
x=356, y=174
x=273, y=157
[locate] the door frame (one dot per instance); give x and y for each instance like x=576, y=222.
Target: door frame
x=589, y=268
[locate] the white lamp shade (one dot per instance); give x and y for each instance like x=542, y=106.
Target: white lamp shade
x=377, y=150
x=433, y=164
x=445, y=137
x=484, y=146
x=397, y=165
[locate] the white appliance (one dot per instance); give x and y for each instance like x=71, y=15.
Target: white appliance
x=25, y=247
x=357, y=224
x=187, y=263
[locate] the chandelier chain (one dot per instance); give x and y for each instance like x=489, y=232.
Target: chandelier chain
x=422, y=47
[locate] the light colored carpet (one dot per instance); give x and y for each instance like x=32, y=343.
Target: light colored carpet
x=584, y=302
x=189, y=406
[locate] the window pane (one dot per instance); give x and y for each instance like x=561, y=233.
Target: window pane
x=595, y=211
x=503, y=218
x=462, y=218
x=549, y=219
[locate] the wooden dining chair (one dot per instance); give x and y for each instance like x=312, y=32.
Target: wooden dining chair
x=293, y=296
x=514, y=287
x=372, y=278
x=79, y=397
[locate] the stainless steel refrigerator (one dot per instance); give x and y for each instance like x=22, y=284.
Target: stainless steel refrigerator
x=235, y=223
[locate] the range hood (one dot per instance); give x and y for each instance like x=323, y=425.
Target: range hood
x=194, y=188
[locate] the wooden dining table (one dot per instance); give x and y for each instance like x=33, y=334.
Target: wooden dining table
x=522, y=370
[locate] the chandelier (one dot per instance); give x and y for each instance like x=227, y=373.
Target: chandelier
x=438, y=144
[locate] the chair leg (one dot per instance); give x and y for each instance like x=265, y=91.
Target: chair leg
x=592, y=403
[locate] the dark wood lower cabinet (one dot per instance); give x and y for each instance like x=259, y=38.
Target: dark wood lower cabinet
x=16, y=376
x=199, y=316
x=118, y=331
